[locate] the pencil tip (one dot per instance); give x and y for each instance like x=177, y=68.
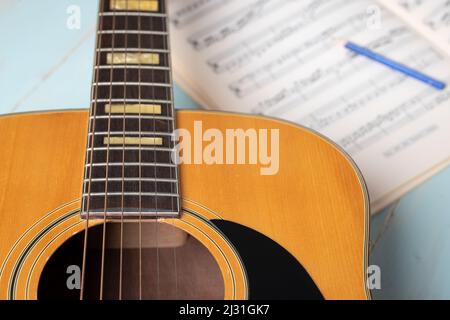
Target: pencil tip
x=340, y=41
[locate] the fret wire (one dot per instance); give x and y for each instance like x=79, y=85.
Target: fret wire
x=122, y=100
x=130, y=164
x=133, y=117
x=132, y=214
x=134, y=13
x=144, y=32
x=134, y=179
x=120, y=66
x=132, y=50
x=146, y=194
x=146, y=84
x=131, y=149
x=129, y=133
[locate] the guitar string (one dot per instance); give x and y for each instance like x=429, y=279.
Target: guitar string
x=105, y=204
x=123, y=162
x=169, y=97
x=92, y=123
x=155, y=176
x=140, y=155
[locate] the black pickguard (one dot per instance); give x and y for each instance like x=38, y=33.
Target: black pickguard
x=273, y=273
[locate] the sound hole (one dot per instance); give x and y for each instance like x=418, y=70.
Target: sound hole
x=170, y=265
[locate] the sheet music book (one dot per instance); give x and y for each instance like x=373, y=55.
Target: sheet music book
x=431, y=19
x=282, y=59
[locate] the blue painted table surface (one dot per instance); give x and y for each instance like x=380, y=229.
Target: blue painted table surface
x=45, y=65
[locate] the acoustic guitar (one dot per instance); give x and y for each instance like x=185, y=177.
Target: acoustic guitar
x=124, y=202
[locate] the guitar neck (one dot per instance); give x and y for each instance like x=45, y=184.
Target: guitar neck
x=133, y=53
x=129, y=169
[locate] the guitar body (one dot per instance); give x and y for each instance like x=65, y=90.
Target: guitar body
x=301, y=233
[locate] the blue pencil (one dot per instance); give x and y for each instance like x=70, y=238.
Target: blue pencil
x=395, y=65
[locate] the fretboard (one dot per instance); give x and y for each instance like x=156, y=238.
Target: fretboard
x=129, y=169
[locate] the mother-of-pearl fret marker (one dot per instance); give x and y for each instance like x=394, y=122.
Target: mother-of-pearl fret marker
x=135, y=5
x=133, y=108
x=133, y=58
x=133, y=141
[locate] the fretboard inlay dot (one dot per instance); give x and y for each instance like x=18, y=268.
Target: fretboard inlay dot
x=135, y=5
x=133, y=58
x=133, y=141
x=133, y=108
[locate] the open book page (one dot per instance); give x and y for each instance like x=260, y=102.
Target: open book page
x=283, y=59
x=430, y=18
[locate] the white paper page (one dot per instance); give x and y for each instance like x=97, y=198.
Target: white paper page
x=430, y=18
x=280, y=58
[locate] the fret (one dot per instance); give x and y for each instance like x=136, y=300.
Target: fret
x=102, y=194
x=121, y=154
x=129, y=187
x=116, y=213
x=138, y=32
x=135, y=125
x=128, y=164
x=131, y=75
x=115, y=210
x=132, y=41
x=132, y=172
x=130, y=180
x=133, y=13
x=123, y=66
x=144, y=84
x=132, y=101
x=133, y=206
x=148, y=186
x=131, y=149
x=130, y=156
x=141, y=133
x=131, y=125
x=148, y=120
x=132, y=50
x=155, y=22
x=149, y=204
x=132, y=92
